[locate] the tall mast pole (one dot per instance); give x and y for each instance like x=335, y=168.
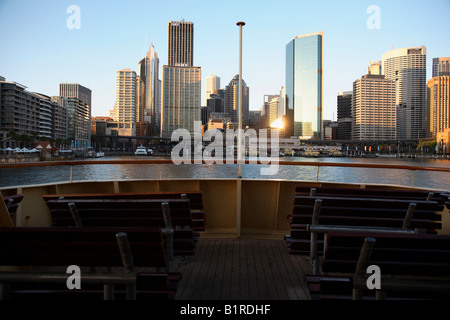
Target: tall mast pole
x=240, y=24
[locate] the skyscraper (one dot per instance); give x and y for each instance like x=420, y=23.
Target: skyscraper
x=441, y=67
x=125, y=108
x=373, y=108
x=149, y=108
x=180, y=44
x=304, y=74
x=438, y=105
x=232, y=100
x=344, y=115
x=181, y=94
x=407, y=68
x=212, y=85
x=181, y=81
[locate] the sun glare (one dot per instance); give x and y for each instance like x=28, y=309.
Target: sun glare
x=278, y=124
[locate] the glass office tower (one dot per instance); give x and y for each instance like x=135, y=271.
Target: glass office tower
x=304, y=61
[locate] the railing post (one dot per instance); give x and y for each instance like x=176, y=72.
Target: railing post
x=168, y=231
x=108, y=292
x=409, y=215
x=318, y=170
x=75, y=215
x=313, y=245
x=127, y=260
x=71, y=173
x=364, y=257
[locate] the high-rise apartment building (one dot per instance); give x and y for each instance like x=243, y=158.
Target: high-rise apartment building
x=344, y=115
x=79, y=109
x=181, y=81
x=78, y=116
x=60, y=119
x=149, y=108
x=211, y=86
x=19, y=109
x=304, y=86
x=180, y=44
x=46, y=114
x=232, y=100
x=438, y=105
x=373, y=108
x=441, y=67
x=126, y=106
x=407, y=68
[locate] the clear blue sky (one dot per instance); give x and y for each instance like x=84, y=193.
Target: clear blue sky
x=39, y=51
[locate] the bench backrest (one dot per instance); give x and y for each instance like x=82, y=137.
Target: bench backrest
x=338, y=201
x=414, y=254
x=366, y=212
x=195, y=197
x=374, y=193
x=120, y=212
x=62, y=246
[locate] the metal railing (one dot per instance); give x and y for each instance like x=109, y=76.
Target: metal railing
x=159, y=162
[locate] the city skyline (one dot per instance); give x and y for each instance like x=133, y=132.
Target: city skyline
x=44, y=52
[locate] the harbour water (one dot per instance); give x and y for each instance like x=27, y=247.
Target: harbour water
x=10, y=177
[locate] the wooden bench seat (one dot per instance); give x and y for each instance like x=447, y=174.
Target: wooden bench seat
x=149, y=286
x=357, y=212
x=116, y=212
x=39, y=251
x=413, y=266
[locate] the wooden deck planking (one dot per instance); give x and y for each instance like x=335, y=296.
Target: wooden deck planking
x=243, y=269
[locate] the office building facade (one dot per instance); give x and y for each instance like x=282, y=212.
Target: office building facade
x=181, y=81
x=232, y=100
x=75, y=90
x=438, y=105
x=344, y=115
x=211, y=86
x=407, y=68
x=180, y=99
x=373, y=108
x=304, y=86
x=441, y=67
x=180, y=44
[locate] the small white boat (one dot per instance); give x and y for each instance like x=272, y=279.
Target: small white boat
x=140, y=151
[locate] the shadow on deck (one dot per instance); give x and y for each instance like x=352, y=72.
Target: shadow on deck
x=243, y=269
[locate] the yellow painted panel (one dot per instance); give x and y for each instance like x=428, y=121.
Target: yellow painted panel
x=219, y=202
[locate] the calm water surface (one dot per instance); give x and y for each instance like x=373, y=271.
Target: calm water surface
x=425, y=179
